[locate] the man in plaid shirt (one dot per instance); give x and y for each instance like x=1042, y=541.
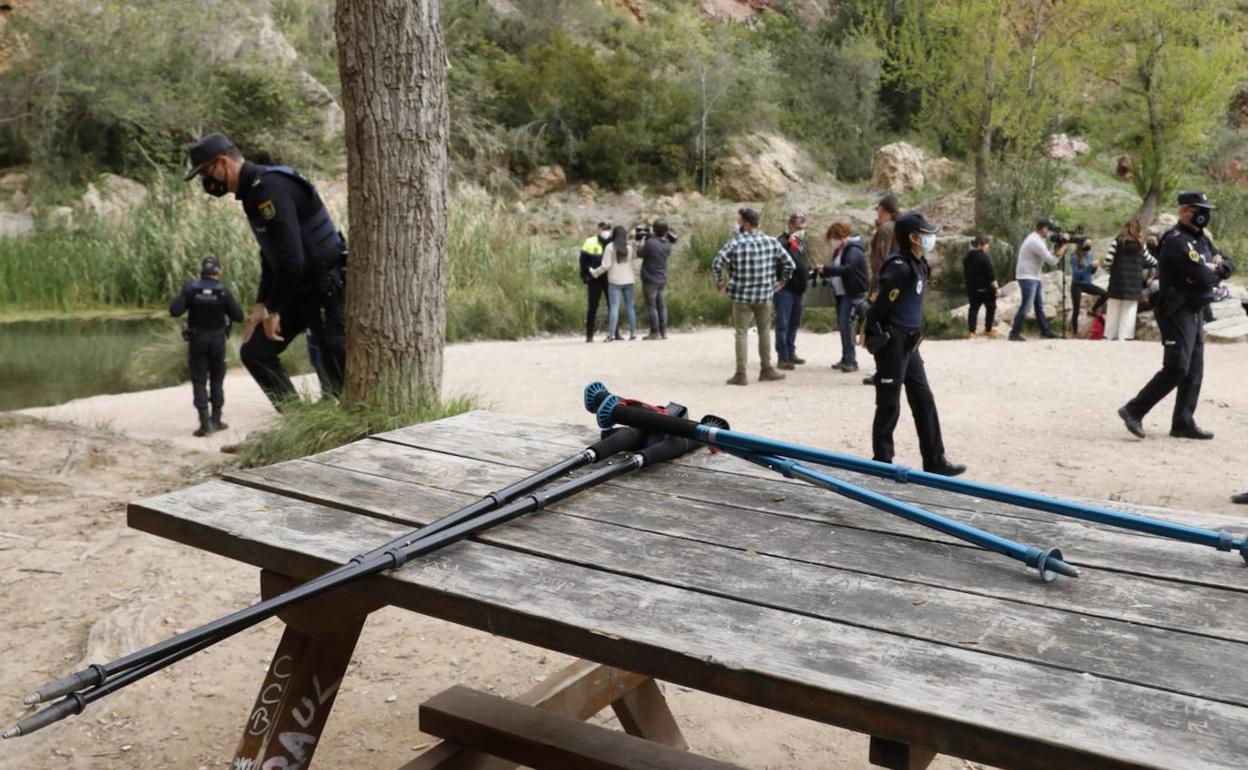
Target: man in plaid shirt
x=758, y=267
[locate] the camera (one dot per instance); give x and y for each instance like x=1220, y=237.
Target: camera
x=642, y=232
x=1061, y=236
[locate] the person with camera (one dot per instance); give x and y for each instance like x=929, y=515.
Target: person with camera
x=656, y=248
x=1190, y=266
x=788, y=301
x=595, y=286
x=894, y=332
x=1082, y=267
x=1033, y=254
x=1128, y=258
x=847, y=273
x=981, y=286
x=210, y=306
x=303, y=261
x=756, y=267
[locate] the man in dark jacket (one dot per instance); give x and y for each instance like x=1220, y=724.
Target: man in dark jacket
x=654, y=253
x=595, y=288
x=303, y=260
x=850, y=281
x=211, y=307
x=788, y=300
x=1190, y=266
x=981, y=286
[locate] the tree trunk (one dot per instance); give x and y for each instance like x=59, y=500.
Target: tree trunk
x=1157, y=168
x=983, y=148
x=392, y=63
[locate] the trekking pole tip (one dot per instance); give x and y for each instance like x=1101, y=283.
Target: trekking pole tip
x=31, y=699
x=12, y=732
x=595, y=392
x=1051, y=565
x=72, y=705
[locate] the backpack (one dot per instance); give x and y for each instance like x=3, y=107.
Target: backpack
x=1097, y=332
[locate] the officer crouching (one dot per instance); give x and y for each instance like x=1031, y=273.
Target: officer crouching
x=210, y=307
x=1189, y=267
x=894, y=331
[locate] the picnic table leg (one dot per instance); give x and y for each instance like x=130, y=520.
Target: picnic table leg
x=298, y=692
x=579, y=691
x=899, y=756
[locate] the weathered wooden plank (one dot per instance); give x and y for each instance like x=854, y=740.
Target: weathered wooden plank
x=1084, y=544
x=546, y=741
x=1149, y=601
x=576, y=532
x=1010, y=714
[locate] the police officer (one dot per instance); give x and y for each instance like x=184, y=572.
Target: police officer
x=303, y=262
x=595, y=288
x=894, y=325
x=1189, y=266
x=210, y=307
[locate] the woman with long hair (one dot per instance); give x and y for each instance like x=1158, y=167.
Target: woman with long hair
x=1128, y=258
x=619, y=263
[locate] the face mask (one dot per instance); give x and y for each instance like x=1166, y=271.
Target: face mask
x=928, y=242
x=799, y=233
x=1200, y=218
x=213, y=186
x=604, y=234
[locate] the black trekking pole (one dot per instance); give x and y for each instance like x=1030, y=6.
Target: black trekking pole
x=384, y=557
x=395, y=557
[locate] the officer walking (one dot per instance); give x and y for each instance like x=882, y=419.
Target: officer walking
x=1189, y=267
x=595, y=287
x=894, y=325
x=211, y=307
x=303, y=259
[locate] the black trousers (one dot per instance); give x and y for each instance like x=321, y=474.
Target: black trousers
x=596, y=290
x=1077, y=290
x=987, y=299
x=1182, y=368
x=206, y=360
x=896, y=367
x=318, y=315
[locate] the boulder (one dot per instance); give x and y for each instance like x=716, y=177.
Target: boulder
x=759, y=166
x=14, y=181
x=1063, y=147
x=60, y=217
x=16, y=223
x=1163, y=223
x=111, y=198
x=955, y=212
x=543, y=181
x=898, y=168
x=332, y=119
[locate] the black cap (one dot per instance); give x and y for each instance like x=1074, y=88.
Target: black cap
x=206, y=150
x=209, y=266
x=1195, y=199
x=910, y=223
x=603, y=223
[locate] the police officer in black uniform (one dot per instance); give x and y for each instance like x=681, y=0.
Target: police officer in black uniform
x=303, y=262
x=210, y=306
x=1189, y=266
x=894, y=330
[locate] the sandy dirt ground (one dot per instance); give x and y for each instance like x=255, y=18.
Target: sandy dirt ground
x=78, y=586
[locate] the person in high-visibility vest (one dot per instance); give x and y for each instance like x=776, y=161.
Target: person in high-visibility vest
x=596, y=287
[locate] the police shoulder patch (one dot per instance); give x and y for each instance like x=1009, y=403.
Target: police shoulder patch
x=267, y=209
x=1192, y=255
x=892, y=295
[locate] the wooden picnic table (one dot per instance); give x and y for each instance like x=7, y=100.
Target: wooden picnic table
x=715, y=575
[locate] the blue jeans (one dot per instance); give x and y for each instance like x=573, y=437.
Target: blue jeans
x=845, y=325
x=788, y=319
x=614, y=294
x=1031, y=296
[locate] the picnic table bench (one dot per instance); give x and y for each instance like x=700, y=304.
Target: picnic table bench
x=715, y=575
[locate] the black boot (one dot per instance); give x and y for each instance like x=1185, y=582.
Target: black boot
x=216, y=419
x=205, y=425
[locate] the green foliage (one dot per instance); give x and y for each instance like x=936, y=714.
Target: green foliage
x=123, y=86
x=1020, y=192
x=305, y=428
x=162, y=362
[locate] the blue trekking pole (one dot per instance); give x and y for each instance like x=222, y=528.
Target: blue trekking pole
x=611, y=409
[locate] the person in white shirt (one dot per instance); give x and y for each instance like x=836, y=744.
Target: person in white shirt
x=620, y=264
x=1032, y=256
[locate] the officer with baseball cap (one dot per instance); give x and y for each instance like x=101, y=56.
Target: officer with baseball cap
x=1189, y=267
x=894, y=331
x=210, y=307
x=303, y=260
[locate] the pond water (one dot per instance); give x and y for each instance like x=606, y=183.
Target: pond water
x=52, y=361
